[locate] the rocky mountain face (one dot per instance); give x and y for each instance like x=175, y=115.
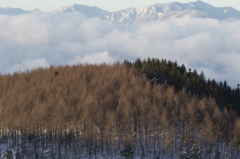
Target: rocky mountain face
x=159, y=11
x=83, y=9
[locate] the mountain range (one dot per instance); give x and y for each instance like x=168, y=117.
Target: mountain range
x=197, y=9
x=158, y=11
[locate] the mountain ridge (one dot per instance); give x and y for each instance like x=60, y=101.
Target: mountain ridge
x=89, y=11
x=12, y=11
x=157, y=11
x=163, y=11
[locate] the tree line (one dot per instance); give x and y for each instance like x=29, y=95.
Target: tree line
x=195, y=83
x=111, y=110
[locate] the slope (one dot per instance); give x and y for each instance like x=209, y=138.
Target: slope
x=89, y=11
x=165, y=11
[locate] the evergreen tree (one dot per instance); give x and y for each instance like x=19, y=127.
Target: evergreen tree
x=196, y=152
x=138, y=64
x=183, y=153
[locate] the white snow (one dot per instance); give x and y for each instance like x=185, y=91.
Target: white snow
x=158, y=11
x=88, y=11
x=225, y=12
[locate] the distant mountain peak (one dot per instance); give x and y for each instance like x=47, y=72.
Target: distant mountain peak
x=157, y=11
x=162, y=11
x=36, y=10
x=89, y=11
x=12, y=11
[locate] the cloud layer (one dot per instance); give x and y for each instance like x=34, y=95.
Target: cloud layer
x=41, y=40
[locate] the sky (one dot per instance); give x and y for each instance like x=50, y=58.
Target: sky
x=109, y=5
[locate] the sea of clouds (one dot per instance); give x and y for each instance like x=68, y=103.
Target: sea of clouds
x=40, y=40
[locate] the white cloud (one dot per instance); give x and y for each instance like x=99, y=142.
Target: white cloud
x=96, y=58
x=29, y=64
x=30, y=41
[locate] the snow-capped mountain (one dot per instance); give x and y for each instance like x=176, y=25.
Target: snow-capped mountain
x=197, y=9
x=88, y=11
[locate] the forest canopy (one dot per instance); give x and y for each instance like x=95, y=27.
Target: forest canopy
x=119, y=105
x=195, y=83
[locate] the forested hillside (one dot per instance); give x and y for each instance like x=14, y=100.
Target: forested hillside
x=106, y=111
x=195, y=83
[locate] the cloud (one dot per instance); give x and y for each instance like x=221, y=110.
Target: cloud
x=41, y=40
x=96, y=58
x=30, y=64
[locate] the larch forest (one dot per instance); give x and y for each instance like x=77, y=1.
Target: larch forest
x=148, y=109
